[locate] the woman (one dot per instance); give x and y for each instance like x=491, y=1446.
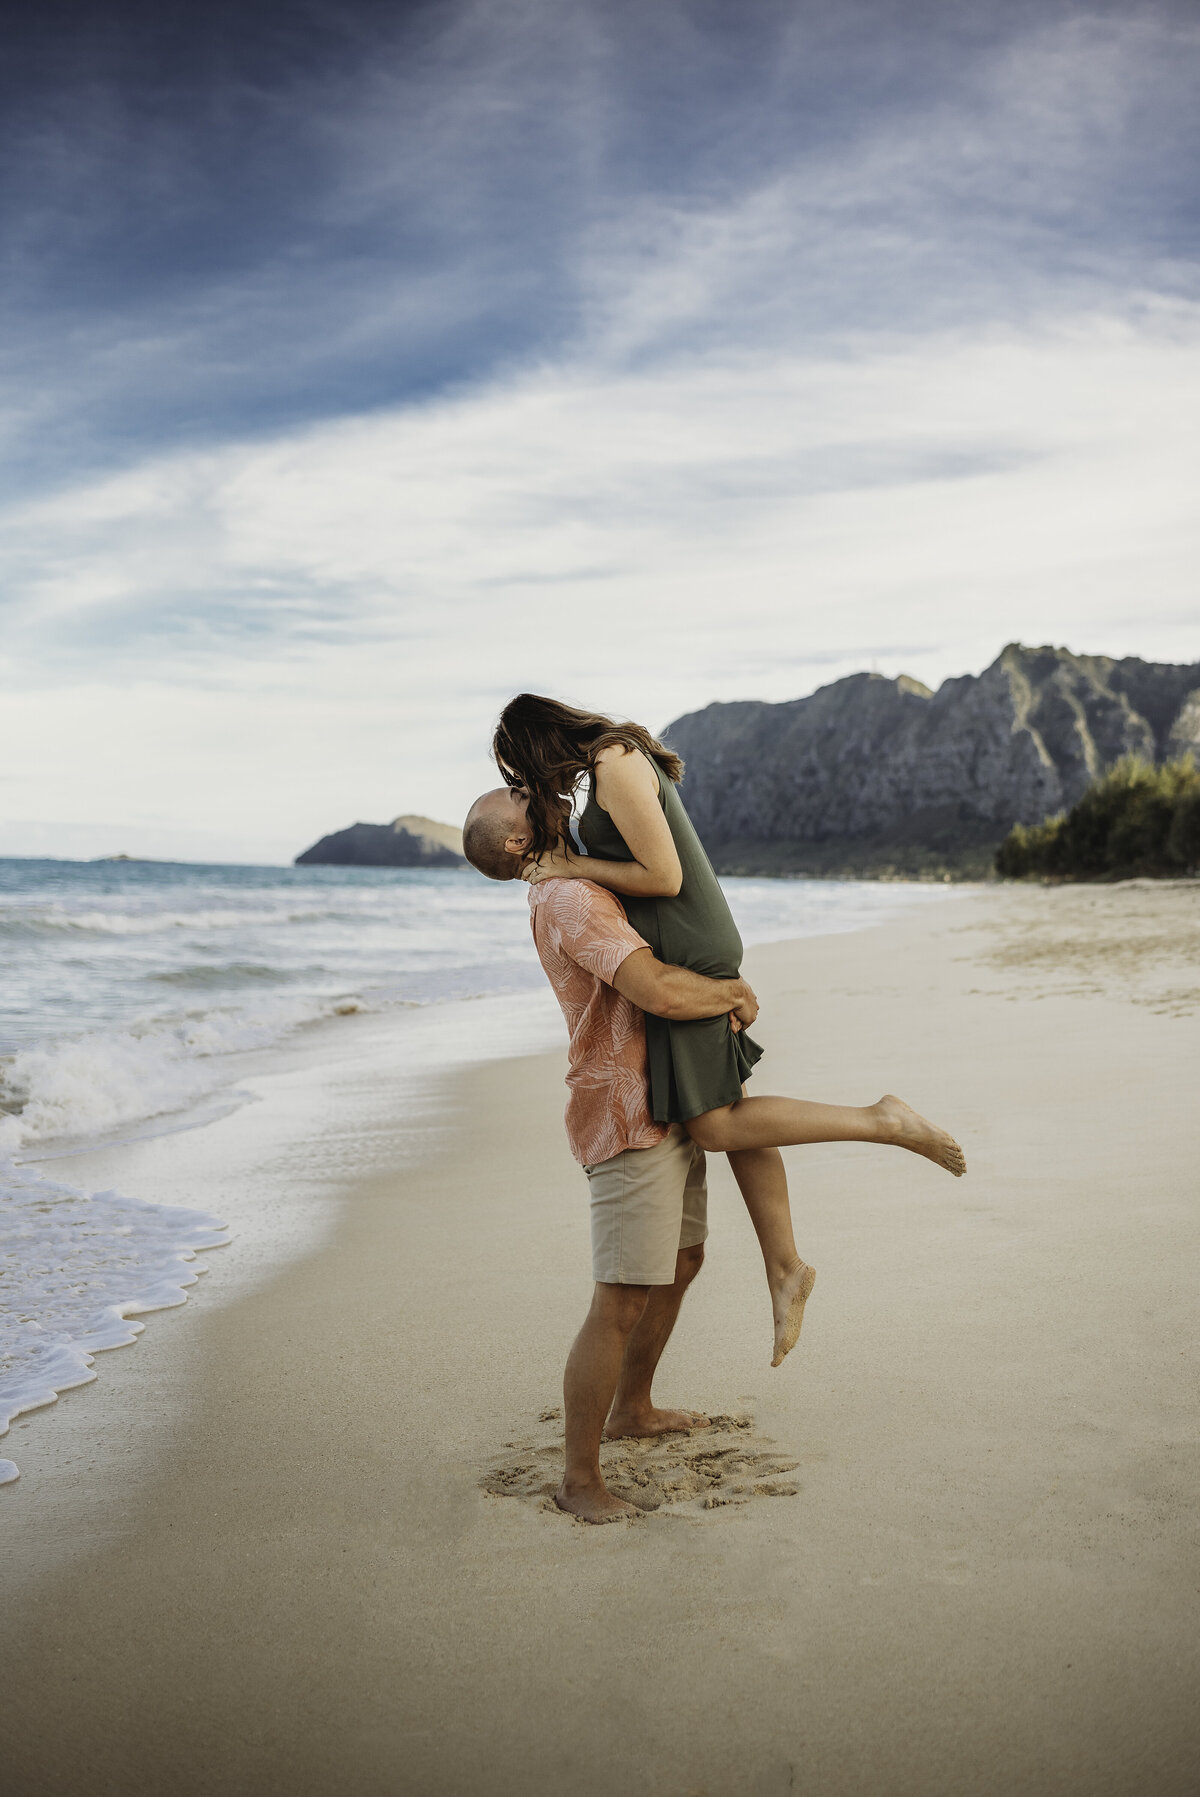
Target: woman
x=641, y=844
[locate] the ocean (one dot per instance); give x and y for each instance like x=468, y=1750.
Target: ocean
x=133, y=993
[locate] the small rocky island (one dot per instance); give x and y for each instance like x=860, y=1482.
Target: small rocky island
x=406, y=842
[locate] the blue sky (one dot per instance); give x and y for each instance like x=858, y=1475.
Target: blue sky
x=363, y=364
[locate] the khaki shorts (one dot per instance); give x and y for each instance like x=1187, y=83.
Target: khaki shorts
x=647, y=1204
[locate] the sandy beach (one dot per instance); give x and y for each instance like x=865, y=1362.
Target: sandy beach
x=297, y=1540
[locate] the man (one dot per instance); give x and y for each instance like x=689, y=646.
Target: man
x=646, y=1179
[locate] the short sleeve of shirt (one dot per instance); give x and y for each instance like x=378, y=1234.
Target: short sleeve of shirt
x=591, y=926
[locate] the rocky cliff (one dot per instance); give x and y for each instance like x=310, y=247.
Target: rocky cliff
x=405, y=842
x=870, y=772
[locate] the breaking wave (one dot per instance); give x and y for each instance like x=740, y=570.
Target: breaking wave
x=89, y=1086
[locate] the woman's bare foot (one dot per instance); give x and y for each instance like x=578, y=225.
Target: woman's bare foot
x=593, y=1503
x=652, y=1422
x=903, y=1128
x=787, y=1303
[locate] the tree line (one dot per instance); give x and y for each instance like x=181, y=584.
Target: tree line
x=1136, y=819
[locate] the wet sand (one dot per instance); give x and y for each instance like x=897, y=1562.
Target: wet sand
x=954, y=1548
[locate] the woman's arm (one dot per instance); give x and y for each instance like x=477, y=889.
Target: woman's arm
x=627, y=788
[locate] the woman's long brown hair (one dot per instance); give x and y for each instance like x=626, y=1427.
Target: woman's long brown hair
x=548, y=747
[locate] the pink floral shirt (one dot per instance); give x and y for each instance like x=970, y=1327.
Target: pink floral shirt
x=582, y=937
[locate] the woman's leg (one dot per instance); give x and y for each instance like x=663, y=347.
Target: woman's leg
x=791, y=1122
x=763, y=1183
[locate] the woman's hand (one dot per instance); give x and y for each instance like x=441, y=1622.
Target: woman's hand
x=555, y=864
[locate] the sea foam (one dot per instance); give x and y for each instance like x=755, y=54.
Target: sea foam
x=77, y=1268
x=92, y=1085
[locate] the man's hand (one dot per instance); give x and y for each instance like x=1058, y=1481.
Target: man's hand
x=747, y=1009
x=678, y=993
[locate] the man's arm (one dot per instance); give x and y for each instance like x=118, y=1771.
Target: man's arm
x=678, y=993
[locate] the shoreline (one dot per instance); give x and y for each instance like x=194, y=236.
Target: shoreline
x=287, y=1578
x=213, y=1061
x=272, y=1155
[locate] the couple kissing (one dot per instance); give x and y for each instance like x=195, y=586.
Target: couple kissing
x=640, y=947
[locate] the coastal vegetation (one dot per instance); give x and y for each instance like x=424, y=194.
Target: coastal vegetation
x=1136, y=819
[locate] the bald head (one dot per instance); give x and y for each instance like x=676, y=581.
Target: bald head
x=496, y=834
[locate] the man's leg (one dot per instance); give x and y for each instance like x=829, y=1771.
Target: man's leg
x=633, y=1411
x=593, y=1369
x=762, y=1180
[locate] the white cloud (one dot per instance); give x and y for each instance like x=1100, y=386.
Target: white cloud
x=264, y=642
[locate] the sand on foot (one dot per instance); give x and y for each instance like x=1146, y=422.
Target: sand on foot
x=788, y=1305
x=654, y=1422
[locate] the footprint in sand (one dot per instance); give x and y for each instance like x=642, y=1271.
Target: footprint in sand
x=727, y=1464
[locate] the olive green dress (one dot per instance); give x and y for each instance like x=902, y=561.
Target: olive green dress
x=698, y=1065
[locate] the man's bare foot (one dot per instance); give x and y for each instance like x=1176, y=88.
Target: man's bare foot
x=624, y=1423
x=594, y=1503
x=787, y=1303
x=905, y=1129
